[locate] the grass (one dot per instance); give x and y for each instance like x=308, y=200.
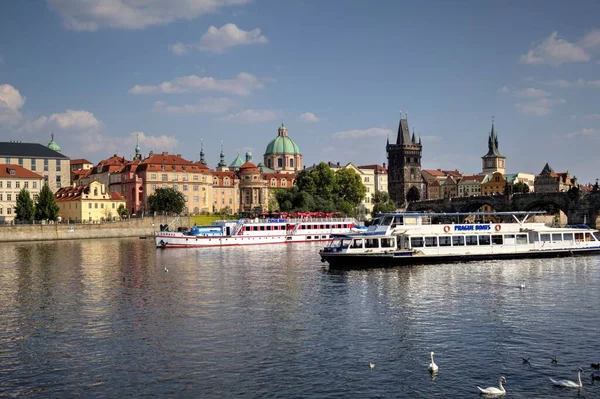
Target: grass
x=203, y=220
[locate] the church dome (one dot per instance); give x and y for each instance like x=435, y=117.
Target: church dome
x=282, y=144
x=52, y=144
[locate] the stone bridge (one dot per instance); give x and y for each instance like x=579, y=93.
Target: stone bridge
x=579, y=207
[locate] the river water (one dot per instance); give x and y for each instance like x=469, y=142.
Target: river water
x=104, y=319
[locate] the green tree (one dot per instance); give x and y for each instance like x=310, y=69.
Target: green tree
x=167, y=200
x=349, y=187
x=520, y=187
x=382, y=203
x=122, y=211
x=45, y=207
x=25, y=209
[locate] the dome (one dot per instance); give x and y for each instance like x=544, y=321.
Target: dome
x=237, y=162
x=52, y=144
x=282, y=144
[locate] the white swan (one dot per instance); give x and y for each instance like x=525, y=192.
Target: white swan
x=372, y=365
x=569, y=383
x=432, y=366
x=493, y=390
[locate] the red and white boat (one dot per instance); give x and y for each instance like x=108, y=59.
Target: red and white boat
x=305, y=227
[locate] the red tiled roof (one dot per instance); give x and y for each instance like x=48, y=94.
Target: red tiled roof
x=81, y=172
x=19, y=172
x=80, y=161
x=477, y=178
x=434, y=172
x=71, y=193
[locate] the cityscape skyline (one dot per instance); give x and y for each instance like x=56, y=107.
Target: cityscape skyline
x=336, y=74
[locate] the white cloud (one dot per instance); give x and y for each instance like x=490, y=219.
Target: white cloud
x=362, y=133
x=153, y=143
x=591, y=116
x=586, y=132
x=242, y=84
x=555, y=51
x=573, y=83
x=308, y=117
x=205, y=105
x=11, y=102
x=539, y=107
x=91, y=15
x=218, y=40
x=251, y=116
x=591, y=40
x=532, y=93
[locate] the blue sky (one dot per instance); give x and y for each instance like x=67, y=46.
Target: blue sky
x=101, y=73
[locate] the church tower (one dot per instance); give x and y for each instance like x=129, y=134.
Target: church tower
x=405, y=183
x=493, y=161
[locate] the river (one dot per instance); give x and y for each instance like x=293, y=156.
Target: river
x=103, y=318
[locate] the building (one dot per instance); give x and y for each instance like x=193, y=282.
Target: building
x=103, y=170
x=380, y=174
x=46, y=161
x=14, y=178
x=405, y=183
x=494, y=184
x=470, y=185
x=282, y=153
x=548, y=181
x=526, y=178
x=81, y=164
x=89, y=203
x=493, y=161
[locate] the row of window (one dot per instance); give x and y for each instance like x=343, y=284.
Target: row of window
x=461, y=240
x=34, y=184
x=96, y=205
x=33, y=167
x=9, y=197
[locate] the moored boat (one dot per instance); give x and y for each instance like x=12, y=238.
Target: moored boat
x=257, y=231
x=398, y=239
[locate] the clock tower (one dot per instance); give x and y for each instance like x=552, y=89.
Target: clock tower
x=493, y=161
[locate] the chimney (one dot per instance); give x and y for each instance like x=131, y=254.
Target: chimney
x=384, y=165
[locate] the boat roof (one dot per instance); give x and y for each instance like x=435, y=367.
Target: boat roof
x=416, y=214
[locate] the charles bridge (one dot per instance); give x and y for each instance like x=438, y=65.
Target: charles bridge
x=579, y=207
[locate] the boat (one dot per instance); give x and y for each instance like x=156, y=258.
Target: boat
x=397, y=239
x=307, y=227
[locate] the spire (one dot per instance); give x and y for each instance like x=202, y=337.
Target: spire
x=419, y=138
x=138, y=151
x=202, y=161
x=222, y=156
x=493, y=150
x=414, y=141
x=403, y=132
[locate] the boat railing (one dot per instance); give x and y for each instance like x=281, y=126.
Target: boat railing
x=302, y=220
x=236, y=229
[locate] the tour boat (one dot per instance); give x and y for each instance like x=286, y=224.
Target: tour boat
x=254, y=231
x=398, y=239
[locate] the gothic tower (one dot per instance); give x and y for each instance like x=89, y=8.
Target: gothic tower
x=493, y=161
x=404, y=166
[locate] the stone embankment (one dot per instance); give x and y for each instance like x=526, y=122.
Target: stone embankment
x=63, y=231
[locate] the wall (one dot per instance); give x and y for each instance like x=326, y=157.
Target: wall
x=129, y=228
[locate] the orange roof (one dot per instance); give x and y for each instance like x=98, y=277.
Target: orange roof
x=71, y=193
x=16, y=171
x=477, y=178
x=454, y=173
x=80, y=161
x=434, y=172
x=81, y=172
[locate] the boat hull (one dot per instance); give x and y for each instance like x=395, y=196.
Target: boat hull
x=166, y=241
x=408, y=258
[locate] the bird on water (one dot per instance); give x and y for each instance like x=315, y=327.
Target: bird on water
x=569, y=383
x=432, y=366
x=166, y=270
x=493, y=391
x=372, y=365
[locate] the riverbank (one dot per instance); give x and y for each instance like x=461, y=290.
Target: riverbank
x=137, y=227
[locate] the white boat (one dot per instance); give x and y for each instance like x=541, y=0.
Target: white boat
x=258, y=231
x=398, y=239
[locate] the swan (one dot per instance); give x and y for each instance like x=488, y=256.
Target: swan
x=493, y=390
x=166, y=270
x=569, y=383
x=432, y=366
x=372, y=365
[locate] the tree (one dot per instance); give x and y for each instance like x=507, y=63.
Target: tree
x=25, y=209
x=45, y=207
x=520, y=187
x=349, y=186
x=122, y=211
x=166, y=200
x=383, y=203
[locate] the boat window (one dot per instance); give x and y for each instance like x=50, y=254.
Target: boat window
x=398, y=221
x=345, y=243
x=578, y=236
x=376, y=221
x=431, y=241
x=588, y=237
x=458, y=240
x=484, y=240
x=357, y=243
x=387, y=242
x=445, y=241
x=416, y=242
x=262, y=228
x=556, y=237
x=545, y=237
x=568, y=236
x=507, y=236
x=471, y=240
x=497, y=239
x=521, y=239
x=387, y=220
x=371, y=243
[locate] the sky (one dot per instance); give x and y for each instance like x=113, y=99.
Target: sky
x=179, y=74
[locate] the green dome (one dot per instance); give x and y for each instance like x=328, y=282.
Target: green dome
x=237, y=162
x=52, y=144
x=282, y=144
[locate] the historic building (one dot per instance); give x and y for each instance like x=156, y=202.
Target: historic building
x=282, y=154
x=89, y=203
x=494, y=184
x=548, y=181
x=103, y=170
x=404, y=159
x=46, y=161
x=380, y=174
x=470, y=185
x=81, y=163
x=493, y=161
x=14, y=178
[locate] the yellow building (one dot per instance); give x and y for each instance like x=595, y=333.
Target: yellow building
x=496, y=184
x=13, y=178
x=90, y=203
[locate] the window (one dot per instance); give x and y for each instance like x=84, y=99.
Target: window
x=35, y=198
x=90, y=205
x=431, y=241
x=371, y=243
x=521, y=239
x=7, y=160
x=556, y=237
x=102, y=205
x=175, y=178
x=26, y=184
x=113, y=205
x=8, y=184
x=9, y=197
x=196, y=177
x=96, y=205
x=497, y=239
x=416, y=242
x=387, y=242
x=45, y=165
x=8, y=210
x=185, y=187
x=57, y=181
x=458, y=240
x=545, y=237
x=1, y=196
x=153, y=187
x=21, y=162
x=58, y=165
x=471, y=240
x=34, y=184
x=291, y=162
x=445, y=241
x=357, y=243
x=185, y=177
x=484, y=240
x=175, y=187
x=17, y=184
x=568, y=236
x=196, y=198
x=196, y=187
x=280, y=163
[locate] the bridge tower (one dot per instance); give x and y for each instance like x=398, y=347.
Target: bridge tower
x=405, y=183
x=493, y=161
